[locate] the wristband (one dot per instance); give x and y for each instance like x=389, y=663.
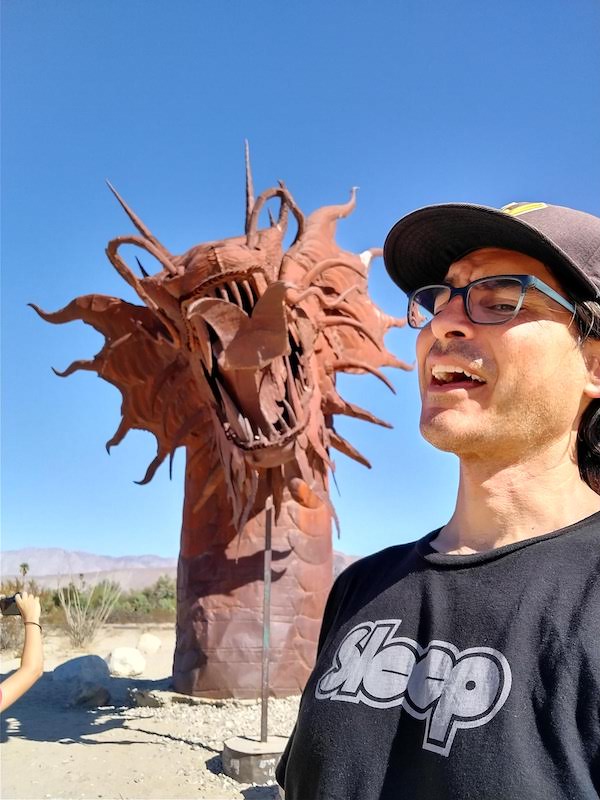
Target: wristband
x=33, y=623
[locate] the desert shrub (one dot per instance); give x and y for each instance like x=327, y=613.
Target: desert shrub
x=87, y=609
x=11, y=634
x=51, y=611
x=163, y=594
x=156, y=603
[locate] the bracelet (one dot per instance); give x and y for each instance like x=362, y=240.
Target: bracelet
x=33, y=623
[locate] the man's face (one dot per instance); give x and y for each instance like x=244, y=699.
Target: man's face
x=530, y=374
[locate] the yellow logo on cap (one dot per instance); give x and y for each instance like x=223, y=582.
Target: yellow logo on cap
x=515, y=209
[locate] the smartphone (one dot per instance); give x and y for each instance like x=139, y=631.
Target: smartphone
x=8, y=606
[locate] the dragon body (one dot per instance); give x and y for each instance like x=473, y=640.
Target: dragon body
x=233, y=356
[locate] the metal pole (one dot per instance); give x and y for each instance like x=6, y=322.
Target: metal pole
x=266, y=618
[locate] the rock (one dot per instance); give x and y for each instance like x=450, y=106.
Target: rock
x=146, y=698
x=149, y=643
x=164, y=697
x=83, y=681
x=126, y=662
x=89, y=695
x=82, y=668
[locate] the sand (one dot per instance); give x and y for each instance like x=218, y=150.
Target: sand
x=123, y=751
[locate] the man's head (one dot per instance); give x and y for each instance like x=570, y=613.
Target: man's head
x=511, y=365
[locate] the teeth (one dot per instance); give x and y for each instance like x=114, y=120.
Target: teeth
x=291, y=383
x=233, y=287
x=248, y=427
x=248, y=292
x=234, y=418
x=444, y=373
x=290, y=411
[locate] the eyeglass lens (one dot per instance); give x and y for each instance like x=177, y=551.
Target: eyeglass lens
x=490, y=301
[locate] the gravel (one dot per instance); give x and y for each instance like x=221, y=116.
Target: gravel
x=201, y=729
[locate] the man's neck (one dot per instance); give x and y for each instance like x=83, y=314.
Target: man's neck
x=501, y=504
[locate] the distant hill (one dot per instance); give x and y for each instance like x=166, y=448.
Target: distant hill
x=54, y=560
x=53, y=566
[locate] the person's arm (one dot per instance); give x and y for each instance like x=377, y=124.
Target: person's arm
x=32, y=659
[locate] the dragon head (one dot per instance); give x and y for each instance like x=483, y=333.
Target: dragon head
x=235, y=351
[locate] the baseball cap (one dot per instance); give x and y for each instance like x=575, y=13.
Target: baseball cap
x=421, y=246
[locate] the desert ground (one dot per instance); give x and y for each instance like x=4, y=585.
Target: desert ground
x=122, y=751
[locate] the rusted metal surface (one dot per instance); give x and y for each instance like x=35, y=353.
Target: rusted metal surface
x=233, y=356
x=264, y=715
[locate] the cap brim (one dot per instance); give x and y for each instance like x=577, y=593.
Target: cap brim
x=420, y=248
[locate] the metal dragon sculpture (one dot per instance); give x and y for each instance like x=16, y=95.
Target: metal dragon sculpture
x=234, y=356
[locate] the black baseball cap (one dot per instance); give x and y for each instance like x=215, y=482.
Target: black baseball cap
x=421, y=246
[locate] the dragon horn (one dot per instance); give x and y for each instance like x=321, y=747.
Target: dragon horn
x=136, y=220
x=287, y=199
x=249, y=186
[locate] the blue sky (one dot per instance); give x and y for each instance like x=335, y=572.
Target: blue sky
x=414, y=102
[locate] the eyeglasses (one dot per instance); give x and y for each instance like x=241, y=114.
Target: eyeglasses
x=487, y=301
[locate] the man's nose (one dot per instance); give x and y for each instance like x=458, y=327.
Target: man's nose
x=452, y=321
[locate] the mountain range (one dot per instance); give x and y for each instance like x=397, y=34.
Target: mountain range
x=54, y=566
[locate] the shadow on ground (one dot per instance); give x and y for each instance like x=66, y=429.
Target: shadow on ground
x=28, y=717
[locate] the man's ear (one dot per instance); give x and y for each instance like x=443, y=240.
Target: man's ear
x=592, y=362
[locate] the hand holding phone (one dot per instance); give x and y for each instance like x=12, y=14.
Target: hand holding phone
x=23, y=603
x=8, y=606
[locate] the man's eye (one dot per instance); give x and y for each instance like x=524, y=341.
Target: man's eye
x=502, y=307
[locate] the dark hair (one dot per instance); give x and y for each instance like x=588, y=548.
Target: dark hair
x=587, y=318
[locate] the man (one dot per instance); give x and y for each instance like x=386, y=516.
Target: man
x=467, y=664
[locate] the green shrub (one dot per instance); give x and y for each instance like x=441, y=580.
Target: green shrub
x=156, y=603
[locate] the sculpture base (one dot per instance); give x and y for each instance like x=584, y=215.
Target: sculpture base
x=250, y=760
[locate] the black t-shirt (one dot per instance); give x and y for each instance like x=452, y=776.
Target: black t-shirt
x=457, y=677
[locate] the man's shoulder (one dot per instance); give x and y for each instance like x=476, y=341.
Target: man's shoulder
x=376, y=562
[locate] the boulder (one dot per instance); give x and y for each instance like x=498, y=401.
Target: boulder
x=92, y=669
x=83, y=681
x=126, y=662
x=149, y=644
x=89, y=695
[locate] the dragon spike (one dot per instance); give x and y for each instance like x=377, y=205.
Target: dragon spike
x=283, y=210
x=171, y=458
x=272, y=222
x=327, y=215
x=392, y=361
x=141, y=266
x=287, y=199
x=67, y=314
x=368, y=255
x=393, y=322
x=352, y=410
x=249, y=186
x=345, y=209
x=88, y=365
x=329, y=263
x=119, y=434
x=152, y=467
x=145, y=231
x=347, y=364
x=337, y=319
x=128, y=276
x=344, y=446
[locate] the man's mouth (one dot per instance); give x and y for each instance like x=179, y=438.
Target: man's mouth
x=454, y=376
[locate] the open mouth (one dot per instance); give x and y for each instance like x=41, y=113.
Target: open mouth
x=454, y=376
x=262, y=400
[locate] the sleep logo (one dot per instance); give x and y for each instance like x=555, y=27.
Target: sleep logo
x=448, y=688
